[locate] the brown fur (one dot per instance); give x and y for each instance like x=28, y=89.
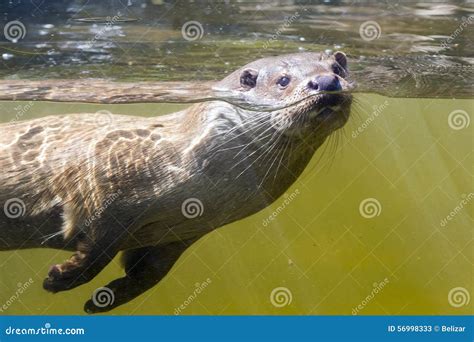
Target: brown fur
x=98, y=184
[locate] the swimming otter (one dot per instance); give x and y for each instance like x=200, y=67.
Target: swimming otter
x=98, y=184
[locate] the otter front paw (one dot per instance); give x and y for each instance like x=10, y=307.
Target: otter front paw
x=79, y=269
x=61, y=278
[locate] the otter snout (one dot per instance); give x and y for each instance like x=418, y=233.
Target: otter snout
x=325, y=83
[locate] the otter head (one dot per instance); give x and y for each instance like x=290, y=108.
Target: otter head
x=308, y=90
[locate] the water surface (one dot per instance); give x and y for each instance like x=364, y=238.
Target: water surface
x=396, y=48
x=407, y=153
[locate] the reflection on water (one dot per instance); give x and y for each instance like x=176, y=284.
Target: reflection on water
x=381, y=220
x=368, y=216
x=396, y=48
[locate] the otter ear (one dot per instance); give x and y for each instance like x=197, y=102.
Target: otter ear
x=341, y=59
x=248, y=78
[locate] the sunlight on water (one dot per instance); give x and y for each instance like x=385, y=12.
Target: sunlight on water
x=380, y=223
x=381, y=220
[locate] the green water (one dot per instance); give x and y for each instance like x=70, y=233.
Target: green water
x=319, y=246
x=411, y=156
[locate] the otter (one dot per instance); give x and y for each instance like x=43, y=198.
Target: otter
x=99, y=184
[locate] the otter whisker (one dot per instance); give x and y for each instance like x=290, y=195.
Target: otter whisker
x=252, y=153
x=275, y=155
x=261, y=124
x=288, y=143
x=226, y=142
x=50, y=236
x=244, y=122
x=217, y=148
x=260, y=156
x=257, y=138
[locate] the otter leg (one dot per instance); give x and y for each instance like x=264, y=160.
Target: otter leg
x=144, y=268
x=89, y=259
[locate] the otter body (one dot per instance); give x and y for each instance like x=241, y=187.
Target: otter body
x=98, y=184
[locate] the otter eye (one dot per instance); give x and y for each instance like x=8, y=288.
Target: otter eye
x=283, y=81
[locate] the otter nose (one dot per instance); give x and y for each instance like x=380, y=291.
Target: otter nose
x=325, y=82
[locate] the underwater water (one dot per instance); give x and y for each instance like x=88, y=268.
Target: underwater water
x=380, y=222
x=406, y=157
